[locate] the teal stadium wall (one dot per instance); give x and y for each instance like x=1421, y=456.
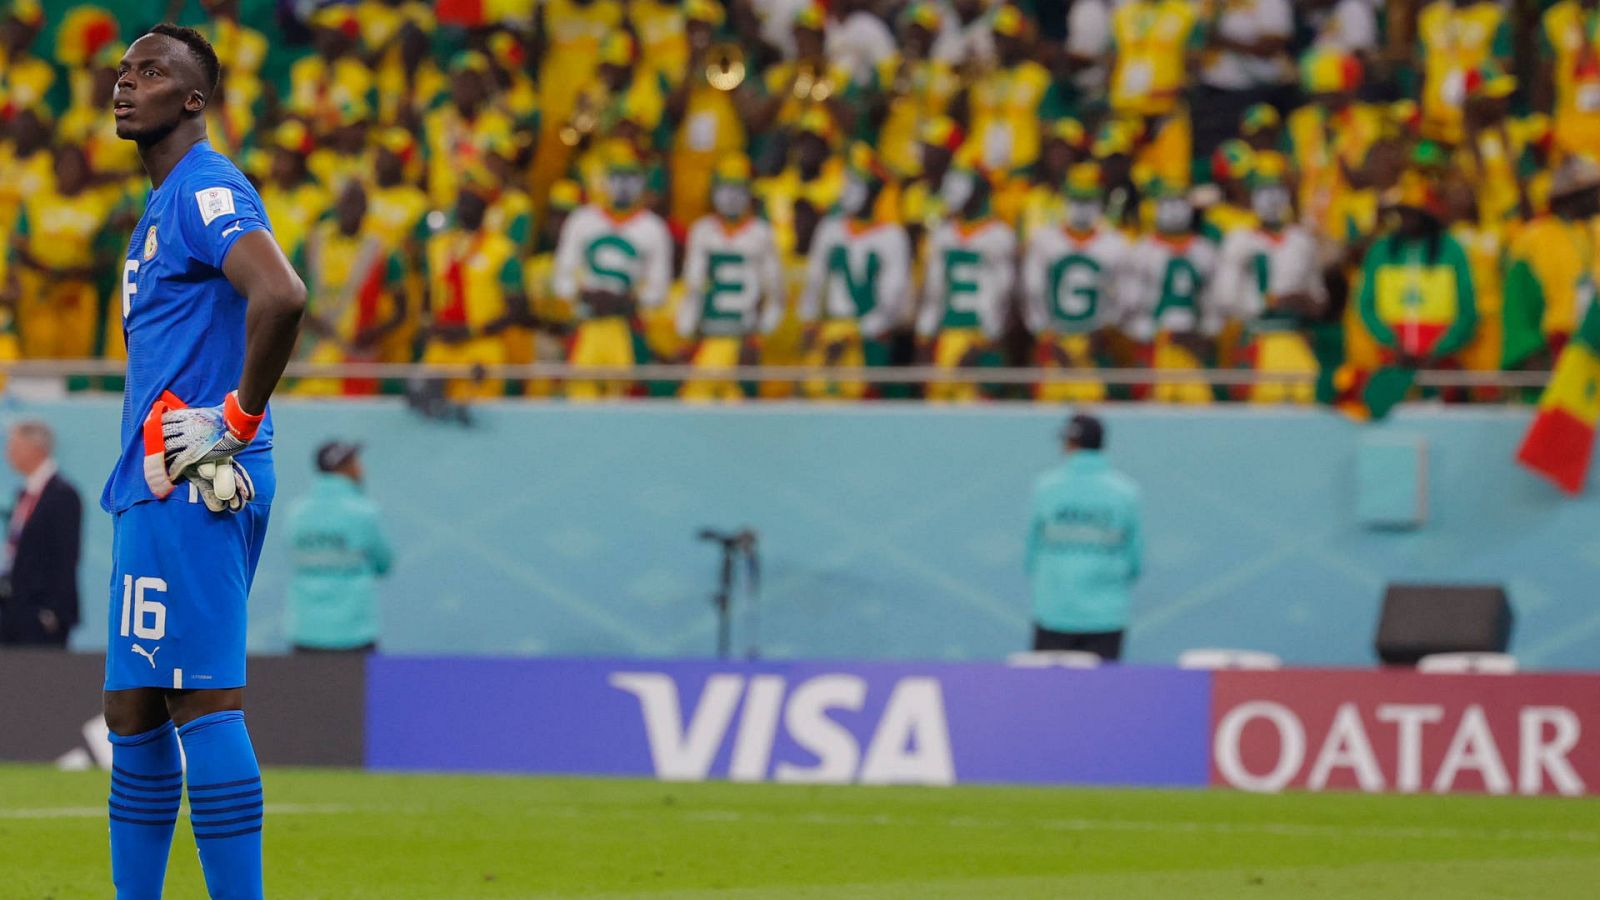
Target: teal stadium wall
x=894, y=531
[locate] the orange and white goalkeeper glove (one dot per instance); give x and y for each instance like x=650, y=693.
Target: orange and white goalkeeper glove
x=178, y=437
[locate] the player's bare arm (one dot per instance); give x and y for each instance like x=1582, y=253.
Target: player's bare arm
x=257, y=269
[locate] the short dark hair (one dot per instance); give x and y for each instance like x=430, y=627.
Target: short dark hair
x=1084, y=432
x=199, y=48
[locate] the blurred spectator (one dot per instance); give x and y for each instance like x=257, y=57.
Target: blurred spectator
x=1330, y=136
x=614, y=259
x=662, y=29
x=335, y=74
x=26, y=164
x=859, y=281
x=1567, y=84
x=1152, y=45
x=86, y=124
x=1246, y=61
x=733, y=283
x=339, y=552
x=567, y=52
x=709, y=104
x=1416, y=284
x=1164, y=292
x=1550, y=272
x=971, y=258
x=474, y=291
x=355, y=293
x=1344, y=26
x=1009, y=104
x=409, y=80
x=342, y=154
x=1071, y=276
x=857, y=39
x=812, y=177
x=968, y=37
x=1088, y=46
x=917, y=88
x=1085, y=547
x=455, y=131
x=1268, y=278
x=25, y=79
x=1494, y=157
x=1454, y=39
x=293, y=200
x=1033, y=198
x=39, y=575
x=57, y=253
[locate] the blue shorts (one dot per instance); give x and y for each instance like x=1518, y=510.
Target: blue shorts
x=180, y=578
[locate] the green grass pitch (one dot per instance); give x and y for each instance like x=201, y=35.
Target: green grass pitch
x=347, y=834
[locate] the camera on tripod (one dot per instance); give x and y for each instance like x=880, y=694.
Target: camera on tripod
x=736, y=546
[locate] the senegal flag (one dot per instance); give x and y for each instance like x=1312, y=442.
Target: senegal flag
x=1561, y=440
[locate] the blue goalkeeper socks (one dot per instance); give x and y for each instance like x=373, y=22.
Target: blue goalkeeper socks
x=225, y=803
x=146, y=786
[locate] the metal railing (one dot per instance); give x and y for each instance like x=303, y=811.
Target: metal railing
x=876, y=375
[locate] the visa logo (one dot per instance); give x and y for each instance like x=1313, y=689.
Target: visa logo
x=909, y=743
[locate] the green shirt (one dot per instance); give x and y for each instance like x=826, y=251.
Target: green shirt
x=338, y=553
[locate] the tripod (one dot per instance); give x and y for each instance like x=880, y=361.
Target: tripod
x=734, y=545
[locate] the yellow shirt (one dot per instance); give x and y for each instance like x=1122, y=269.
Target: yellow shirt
x=1151, y=38
x=396, y=89
x=537, y=282
x=96, y=132
x=347, y=277
x=1494, y=173
x=60, y=231
x=663, y=42
x=317, y=93
x=240, y=49
x=394, y=213
x=510, y=214
x=1559, y=256
x=711, y=122
x=1571, y=41
x=24, y=82
x=1455, y=39
x=804, y=87
x=781, y=192
x=21, y=178
x=229, y=126
x=1005, y=115
x=1324, y=145
x=642, y=100
x=468, y=276
x=454, y=142
x=333, y=170
x=571, y=57
x=917, y=92
x=292, y=212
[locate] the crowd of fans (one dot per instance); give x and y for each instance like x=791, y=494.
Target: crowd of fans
x=1329, y=186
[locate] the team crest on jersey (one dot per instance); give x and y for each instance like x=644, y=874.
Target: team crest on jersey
x=150, y=244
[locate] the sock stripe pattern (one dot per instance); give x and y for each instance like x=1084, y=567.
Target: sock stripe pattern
x=146, y=790
x=211, y=820
x=225, y=804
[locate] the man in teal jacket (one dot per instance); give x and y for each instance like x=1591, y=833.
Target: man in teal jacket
x=339, y=552
x=1084, y=547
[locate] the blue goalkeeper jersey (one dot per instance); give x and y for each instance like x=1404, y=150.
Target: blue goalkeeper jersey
x=182, y=320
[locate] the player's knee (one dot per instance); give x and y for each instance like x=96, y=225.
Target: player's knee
x=134, y=711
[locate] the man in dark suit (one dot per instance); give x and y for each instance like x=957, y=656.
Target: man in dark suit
x=39, y=572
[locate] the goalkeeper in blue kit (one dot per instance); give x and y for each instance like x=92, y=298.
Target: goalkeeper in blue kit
x=210, y=310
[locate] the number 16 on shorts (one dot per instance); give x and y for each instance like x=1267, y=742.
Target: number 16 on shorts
x=143, y=616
